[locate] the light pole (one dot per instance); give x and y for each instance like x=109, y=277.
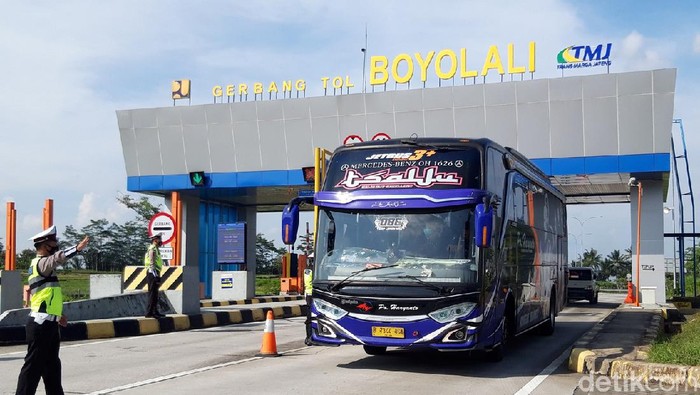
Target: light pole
x=364, y=62
x=575, y=238
x=633, y=182
x=582, y=223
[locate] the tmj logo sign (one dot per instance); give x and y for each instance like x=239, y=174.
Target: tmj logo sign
x=579, y=56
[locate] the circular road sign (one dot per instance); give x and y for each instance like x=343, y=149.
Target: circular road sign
x=381, y=136
x=162, y=223
x=351, y=139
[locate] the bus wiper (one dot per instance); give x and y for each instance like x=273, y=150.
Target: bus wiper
x=338, y=285
x=430, y=146
x=417, y=144
x=440, y=290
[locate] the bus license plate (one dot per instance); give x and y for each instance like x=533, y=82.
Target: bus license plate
x=387, y=331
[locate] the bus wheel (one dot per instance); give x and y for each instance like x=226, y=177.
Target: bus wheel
x=374, y=350
x=547, y=328
x=507, y=332
x=495, y=354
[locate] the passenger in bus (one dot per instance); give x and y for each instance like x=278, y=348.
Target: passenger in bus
x=436, y=244
x=425, y=239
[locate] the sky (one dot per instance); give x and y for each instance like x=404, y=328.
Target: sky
x=70, y=65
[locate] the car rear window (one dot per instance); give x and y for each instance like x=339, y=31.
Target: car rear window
x=580, y=274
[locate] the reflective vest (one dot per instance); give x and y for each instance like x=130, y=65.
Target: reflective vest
x=308, y=281
x=46, y=295
x=147, y=258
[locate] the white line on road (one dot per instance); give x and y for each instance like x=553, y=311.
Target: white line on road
x=181, y=374
x=537, y=380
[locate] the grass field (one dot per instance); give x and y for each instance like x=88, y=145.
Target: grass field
x=75, y=284
x=267, y=285
x=681, y=348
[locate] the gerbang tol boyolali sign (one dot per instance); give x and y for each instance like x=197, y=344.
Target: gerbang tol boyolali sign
x=445, y=64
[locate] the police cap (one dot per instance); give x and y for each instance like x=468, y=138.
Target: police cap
x=44, y=235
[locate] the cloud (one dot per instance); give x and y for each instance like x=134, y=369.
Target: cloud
x=641, y=53
x=72, y=64
x=29, y=225
x=92, y=207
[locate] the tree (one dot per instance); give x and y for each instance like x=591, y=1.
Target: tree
x=592, y=259
x=306, y=244
x=143, y=207
x=113, y=246
x=692, y=271
x=24, y=259
x=268, y=257
x=616, y=264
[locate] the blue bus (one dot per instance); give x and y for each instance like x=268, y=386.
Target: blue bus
x=440, y=243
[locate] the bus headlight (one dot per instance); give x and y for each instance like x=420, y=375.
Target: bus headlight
x=453, y=312
x=328, y=309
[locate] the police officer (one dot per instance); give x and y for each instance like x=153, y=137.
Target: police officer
x=308, y=283
x=153, y=263
x=43, y=337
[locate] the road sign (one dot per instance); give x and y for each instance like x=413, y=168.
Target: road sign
x=381, y=136
x=163, y=223
x=306, y=193
x=230, y=243
x=166, y=252
x=353, y=138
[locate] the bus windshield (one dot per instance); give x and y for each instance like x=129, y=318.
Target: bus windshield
x=435, y=247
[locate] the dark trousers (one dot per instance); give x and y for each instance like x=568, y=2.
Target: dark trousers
x=42, y=359
x=153, y=285
x=309, y=301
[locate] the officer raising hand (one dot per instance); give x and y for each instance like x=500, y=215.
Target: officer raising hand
x=43, y=337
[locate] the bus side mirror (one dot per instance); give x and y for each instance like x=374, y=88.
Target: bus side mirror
x=290, y=222
x=483, y=223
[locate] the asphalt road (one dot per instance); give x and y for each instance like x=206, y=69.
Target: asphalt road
x=222, y=360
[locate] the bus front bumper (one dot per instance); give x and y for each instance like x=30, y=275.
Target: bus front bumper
x=425, y=333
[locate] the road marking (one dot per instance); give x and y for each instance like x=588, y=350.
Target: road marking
x=182, y=374
x=537, y=380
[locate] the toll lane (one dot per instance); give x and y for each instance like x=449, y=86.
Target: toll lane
x=223, y=360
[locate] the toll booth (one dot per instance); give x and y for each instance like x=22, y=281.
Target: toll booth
x=292, y=278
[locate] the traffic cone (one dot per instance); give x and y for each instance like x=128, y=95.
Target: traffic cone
x=269, y=344
x=630, y=299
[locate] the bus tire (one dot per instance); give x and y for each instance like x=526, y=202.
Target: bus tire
x=495, y=354
x=547, y=328
x=374, y=350
x=508, y=331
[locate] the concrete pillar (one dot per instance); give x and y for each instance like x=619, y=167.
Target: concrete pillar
x=10, y=290
x=249, y=216
x=190, y=230
x=187, y=300
x=652, y=287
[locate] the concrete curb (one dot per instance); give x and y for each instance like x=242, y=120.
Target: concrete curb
x=121, y=327
x=583, y=359
x=262, y=299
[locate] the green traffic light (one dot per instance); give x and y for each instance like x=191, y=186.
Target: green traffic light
x=197, y=178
